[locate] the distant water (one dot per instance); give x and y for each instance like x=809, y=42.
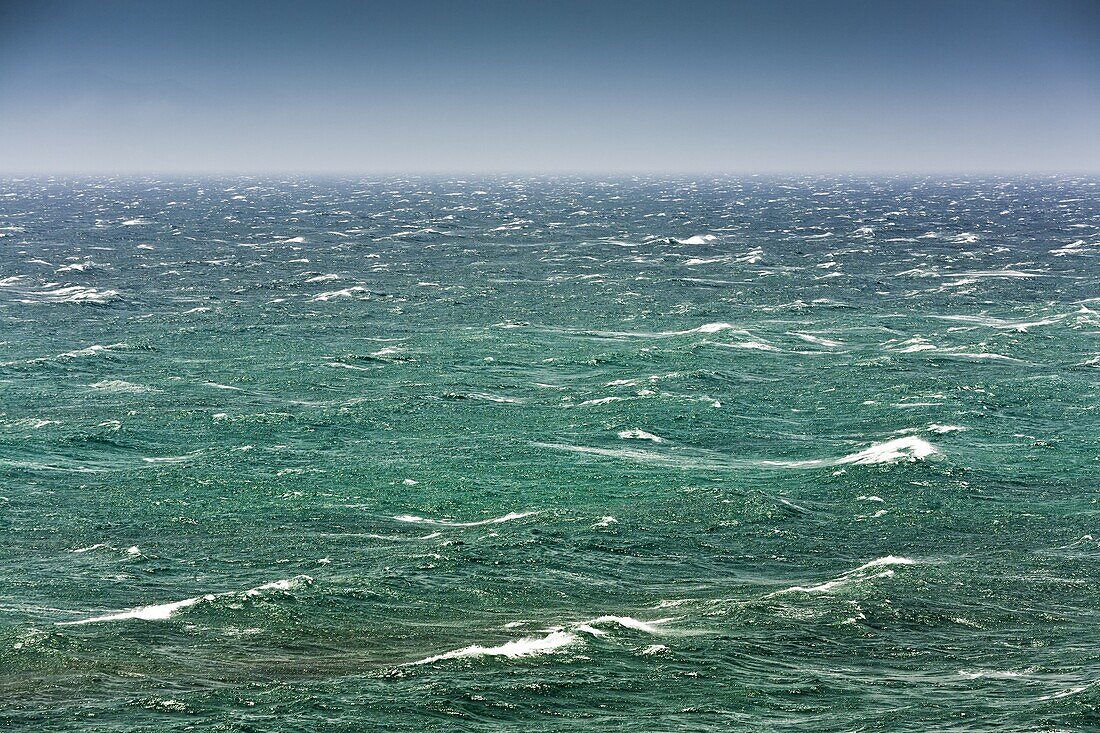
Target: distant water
x=550, y=455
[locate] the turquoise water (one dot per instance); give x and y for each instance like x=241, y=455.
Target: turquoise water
x=549, y=454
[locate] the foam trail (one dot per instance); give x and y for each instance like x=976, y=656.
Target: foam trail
x=448, y=523
x=164, y=611
x=156, y=612
x=907, y=449
x=910, y=448
x=89, y=548
x=629, y=622
x=528, y=646
x=855, y=575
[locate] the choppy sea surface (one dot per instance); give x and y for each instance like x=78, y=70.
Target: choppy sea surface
x=550, y=454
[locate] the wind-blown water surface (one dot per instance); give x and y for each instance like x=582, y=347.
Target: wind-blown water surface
x=549, y=454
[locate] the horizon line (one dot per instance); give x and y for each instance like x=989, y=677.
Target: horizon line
x=594, y=173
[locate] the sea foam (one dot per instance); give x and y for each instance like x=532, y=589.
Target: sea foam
x=449, y=523
x=556, y=639
x=164, y=611
x=879, y=568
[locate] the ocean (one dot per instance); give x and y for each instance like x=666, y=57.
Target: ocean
x=550, y=454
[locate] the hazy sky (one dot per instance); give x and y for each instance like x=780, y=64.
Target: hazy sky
x=410, y=86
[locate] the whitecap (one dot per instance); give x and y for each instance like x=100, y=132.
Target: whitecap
x=856, y=575
x=71, y=294
x=698, y=239
x=164, y=611
x=120, y=386
x=704, y=260
x=629, y=622
x=493, y=398
x=898, y=450
x=810, y=338
x=79, y=267
x=914, y=345
x=556, y=639
x=157, y=612
x=449, y=523
x=910, y=448
x=600, y=401
x=90, y=548
x=34, y=423
x=637, y=434
x=92, y=350
x=351, y=292
x=709, y=328
x=1000, y=323
x=989, y=673
x=528, y=646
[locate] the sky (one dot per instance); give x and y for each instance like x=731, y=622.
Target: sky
x=425, y=86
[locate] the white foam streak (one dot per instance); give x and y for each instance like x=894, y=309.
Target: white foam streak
x=89, y=548
x=909, y=448
x=556, y=639
x=448, y=523
x=351, y=292
x=856, y=575
x=71, y=294
x=158, y=612
x=526, y=647
x=899, y=450
x=637, y=434
x=121, y=386
x=629, y=622
x=164, y=611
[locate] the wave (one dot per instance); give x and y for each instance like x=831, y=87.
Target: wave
x=637, y=434
x=811, y=339
x=867, y=571
x=555, y=640
x=899, y=450
x=1001, y=323
x=81, y=266
x=352, y=292
x=412, y=518
x=910, y=448
x=907, y=449
x=70, y=294
x=164, y=611
x=714, y=327
x=92, y=350
x=528, y=646
x=629, y=622
x=1076, y=247
x=89, y=548
x=602, y=401
x=121, y=386
x=698, y=239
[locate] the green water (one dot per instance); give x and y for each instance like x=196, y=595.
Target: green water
x=549, y=454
